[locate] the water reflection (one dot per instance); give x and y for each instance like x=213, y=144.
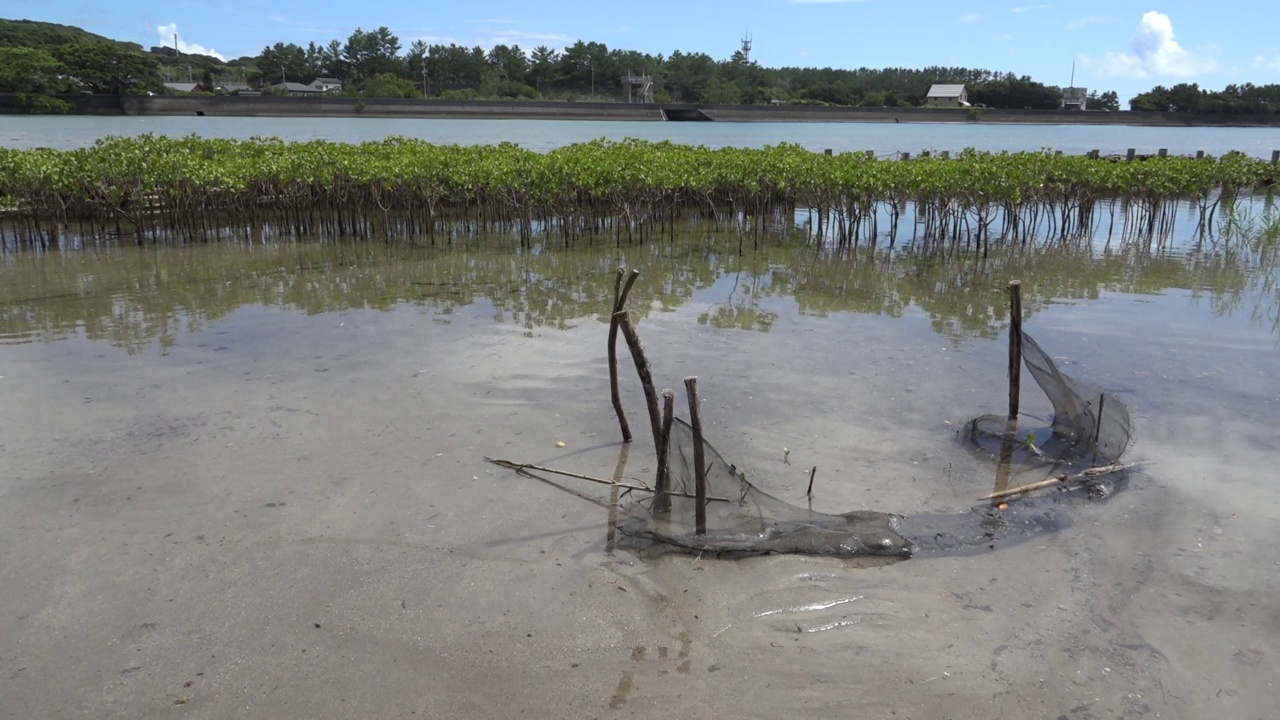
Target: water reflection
x=131, y=297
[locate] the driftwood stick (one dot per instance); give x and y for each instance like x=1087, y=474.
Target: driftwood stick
x=524, y=468
x=812, y=473
x=619, y=301
x=662, y=501
x=700, y=470
x=1049, y=482
x=1015, y=346
x=646, y=377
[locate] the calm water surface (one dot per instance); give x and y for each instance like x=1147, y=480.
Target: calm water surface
x=215, y=457
x=883, y=138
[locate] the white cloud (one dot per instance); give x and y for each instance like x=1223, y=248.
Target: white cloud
x=166, y=33
x=970, y=18
x=1272, y=63
x=1155, y=53
x=1029, y=8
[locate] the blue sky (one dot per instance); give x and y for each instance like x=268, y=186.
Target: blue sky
x=1124, y=46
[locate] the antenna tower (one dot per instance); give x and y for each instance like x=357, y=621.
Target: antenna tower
x=746, y=46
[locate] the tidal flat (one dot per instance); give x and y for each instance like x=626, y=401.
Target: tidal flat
x=247, y=480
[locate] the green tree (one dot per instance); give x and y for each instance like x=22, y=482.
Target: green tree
x=368, y=54
x=543, y=67
x=283, y=62
x=1108, y=101
x=32, y=70
x=388, y=85
x=511, y=60
x=109, y=68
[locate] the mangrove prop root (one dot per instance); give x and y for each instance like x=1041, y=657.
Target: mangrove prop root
x=699, y=458
x=1058, y=479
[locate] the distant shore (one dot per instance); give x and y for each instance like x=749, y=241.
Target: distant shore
x=345, y=106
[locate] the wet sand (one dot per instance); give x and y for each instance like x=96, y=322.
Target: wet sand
x=286, y=515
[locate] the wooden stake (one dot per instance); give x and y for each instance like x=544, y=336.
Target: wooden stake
x=646, y=377
x=611, y=531
x=662, y=501
x=700, y=470
x=1015, y=346
x=619, y=301
x=812, y=472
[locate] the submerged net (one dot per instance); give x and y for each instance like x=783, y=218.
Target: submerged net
x=1090, y=426
x=742, y=519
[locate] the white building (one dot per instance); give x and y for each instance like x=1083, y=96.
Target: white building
x=947, y=96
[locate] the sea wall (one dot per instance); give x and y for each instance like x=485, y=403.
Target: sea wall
x=335, y=106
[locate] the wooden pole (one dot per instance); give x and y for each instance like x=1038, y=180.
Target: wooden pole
x=699, y=470
x=1015, y=346
x=611, y=531
x=809, y=493
x=642, y=369
x=661, y=500
x=619, y=301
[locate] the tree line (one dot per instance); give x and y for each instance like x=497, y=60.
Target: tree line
x=39, y=60
x=1246, y=99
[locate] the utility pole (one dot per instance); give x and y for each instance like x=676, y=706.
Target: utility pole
x=424, y=78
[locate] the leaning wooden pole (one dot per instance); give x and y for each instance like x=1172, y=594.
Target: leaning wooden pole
x=1015, y=346
x=646, y=377
x=661, y=500
x=620, y=293
x=699, y=461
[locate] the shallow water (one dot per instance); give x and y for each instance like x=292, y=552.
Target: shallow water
x=64, y=132
x=258, y=469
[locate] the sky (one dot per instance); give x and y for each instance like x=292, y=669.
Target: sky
x=1114, y=44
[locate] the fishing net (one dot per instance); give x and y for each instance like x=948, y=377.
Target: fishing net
x=742, y=519
x=1089, y=427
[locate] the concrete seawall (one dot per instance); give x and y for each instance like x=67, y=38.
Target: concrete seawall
x=334, y=106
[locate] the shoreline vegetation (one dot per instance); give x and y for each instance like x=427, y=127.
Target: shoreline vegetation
x=353, y=107
x=43, y=63
x=161, y=189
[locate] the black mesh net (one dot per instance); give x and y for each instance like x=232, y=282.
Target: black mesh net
x=1089, y=427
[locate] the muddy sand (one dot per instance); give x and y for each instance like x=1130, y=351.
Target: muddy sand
x=287, y=516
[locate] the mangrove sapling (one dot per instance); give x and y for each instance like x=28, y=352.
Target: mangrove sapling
x=191, y=189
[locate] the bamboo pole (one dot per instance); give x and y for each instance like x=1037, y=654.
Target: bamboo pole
x=620, y=293
x=699, y=470
x=646, y=377
x=661, y=500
